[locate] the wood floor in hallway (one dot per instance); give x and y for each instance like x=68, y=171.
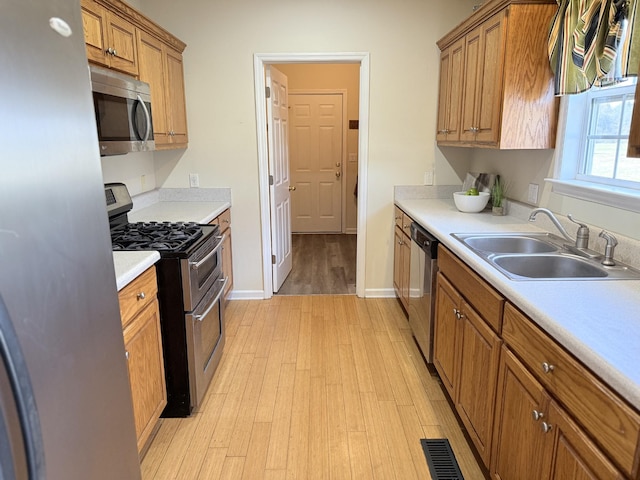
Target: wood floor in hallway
x=327, y=387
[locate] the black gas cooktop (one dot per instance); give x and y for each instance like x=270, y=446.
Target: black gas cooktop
x=165, y=236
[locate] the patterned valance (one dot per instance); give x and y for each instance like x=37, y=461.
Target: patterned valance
x=593, y=42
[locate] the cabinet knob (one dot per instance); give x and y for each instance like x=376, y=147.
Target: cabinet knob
x=546, y=427
x=141, y=296
x=459, y=315
x=537, y=415
x=115, y=52
x=126, y=354
x=547, y=367
x=398, y=217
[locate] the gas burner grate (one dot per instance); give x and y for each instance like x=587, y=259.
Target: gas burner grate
x=166, y=236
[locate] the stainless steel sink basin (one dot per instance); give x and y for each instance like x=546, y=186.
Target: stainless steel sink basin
x=549, y=266
x=540, y=256
x=510, y=244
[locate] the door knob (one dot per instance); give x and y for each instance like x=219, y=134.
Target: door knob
x=292, y=188
x=338, y=174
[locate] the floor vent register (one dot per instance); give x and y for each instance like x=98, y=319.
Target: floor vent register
x=441, y=460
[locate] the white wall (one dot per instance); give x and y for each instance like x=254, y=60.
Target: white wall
x=221, y=39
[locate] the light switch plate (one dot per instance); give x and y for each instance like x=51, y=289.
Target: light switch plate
x=428, y=178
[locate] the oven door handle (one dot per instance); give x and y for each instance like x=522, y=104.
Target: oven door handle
x=215, y=301
x=197, y=265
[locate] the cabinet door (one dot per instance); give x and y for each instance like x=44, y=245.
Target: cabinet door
x=151, y=52
x=445, y=332
x=443, y=94
x=455, y=91
x=146, y=370
x=476, y=390
x=122, y=39
x=521, y=449
x=575, y=456
x=175, y=100
x=472, y=65
x=489, y=85
x=484, y=62
x=95, y=32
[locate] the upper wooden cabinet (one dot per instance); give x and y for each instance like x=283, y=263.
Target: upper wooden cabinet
x=496, y=86
x=110, y=39
x=161, y=67
x=120, y=37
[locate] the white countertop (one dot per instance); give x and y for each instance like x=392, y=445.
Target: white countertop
x=129, y=265
x=596, y=320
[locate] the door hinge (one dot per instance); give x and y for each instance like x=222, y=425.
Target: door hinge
x=270, y=179
x=267, y=92
x=273, y=259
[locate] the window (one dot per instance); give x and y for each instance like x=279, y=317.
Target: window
x=591, y=160
x=604, y=156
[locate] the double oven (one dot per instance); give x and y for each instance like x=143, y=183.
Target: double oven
x=190, y=289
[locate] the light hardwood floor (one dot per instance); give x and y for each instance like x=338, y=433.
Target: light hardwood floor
x=312, y=387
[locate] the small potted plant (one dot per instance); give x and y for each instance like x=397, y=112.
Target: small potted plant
x=498, y=199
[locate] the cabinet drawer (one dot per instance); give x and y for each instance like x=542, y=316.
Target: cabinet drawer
x=610, y=421
x=403, y=221
x=486, y=301
x=137, y=295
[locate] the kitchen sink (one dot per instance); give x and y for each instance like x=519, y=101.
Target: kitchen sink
x=549, y=266
x=540, y=256
x=501, y=243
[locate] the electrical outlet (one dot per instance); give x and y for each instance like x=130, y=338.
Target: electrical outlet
x=533, y=193
x=194, y=180
x=143, y=182
x=428, y=178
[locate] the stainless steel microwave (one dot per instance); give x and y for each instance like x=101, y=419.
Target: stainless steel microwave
x=123, y=112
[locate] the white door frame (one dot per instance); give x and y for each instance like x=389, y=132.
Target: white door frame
x=259, y=62
x=343, y=153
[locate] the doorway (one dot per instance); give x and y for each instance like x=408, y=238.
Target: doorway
x=260, y=62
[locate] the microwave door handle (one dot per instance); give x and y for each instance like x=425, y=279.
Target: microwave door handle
x=148, y=119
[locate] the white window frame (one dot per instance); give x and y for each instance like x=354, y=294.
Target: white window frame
x=573, y=124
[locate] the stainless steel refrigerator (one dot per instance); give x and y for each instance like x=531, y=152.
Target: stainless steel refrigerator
x=65, y=404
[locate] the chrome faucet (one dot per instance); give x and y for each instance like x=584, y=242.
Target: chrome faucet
x=608, y=249
x=582, y=236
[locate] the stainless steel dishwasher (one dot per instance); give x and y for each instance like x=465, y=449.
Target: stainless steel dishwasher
x=422, y=288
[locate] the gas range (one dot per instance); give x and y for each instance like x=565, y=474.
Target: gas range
x=190, y=287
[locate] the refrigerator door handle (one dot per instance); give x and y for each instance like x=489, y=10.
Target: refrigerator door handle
x=20, y=434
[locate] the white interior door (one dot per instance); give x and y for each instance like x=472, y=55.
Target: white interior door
x=316, y=162
x=280, y=199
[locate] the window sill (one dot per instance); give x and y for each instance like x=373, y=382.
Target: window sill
x=618, y=197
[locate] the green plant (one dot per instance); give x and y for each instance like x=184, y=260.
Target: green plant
x=498, y=192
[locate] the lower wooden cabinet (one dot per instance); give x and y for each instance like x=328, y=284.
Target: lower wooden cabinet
x=531, y=409
x=143, y=344
x=402, y=257
x=466, y=354
x=535, y=438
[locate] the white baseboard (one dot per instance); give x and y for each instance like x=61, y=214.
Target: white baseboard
x=246, y=295
x=379, y=293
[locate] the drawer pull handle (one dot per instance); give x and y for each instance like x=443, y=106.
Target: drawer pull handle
x=546, y=427
x=537, y=415
x=459, y=315
x=141, y=296
x=547, y=367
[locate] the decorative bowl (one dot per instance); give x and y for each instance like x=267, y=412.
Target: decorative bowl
x=471, y=203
